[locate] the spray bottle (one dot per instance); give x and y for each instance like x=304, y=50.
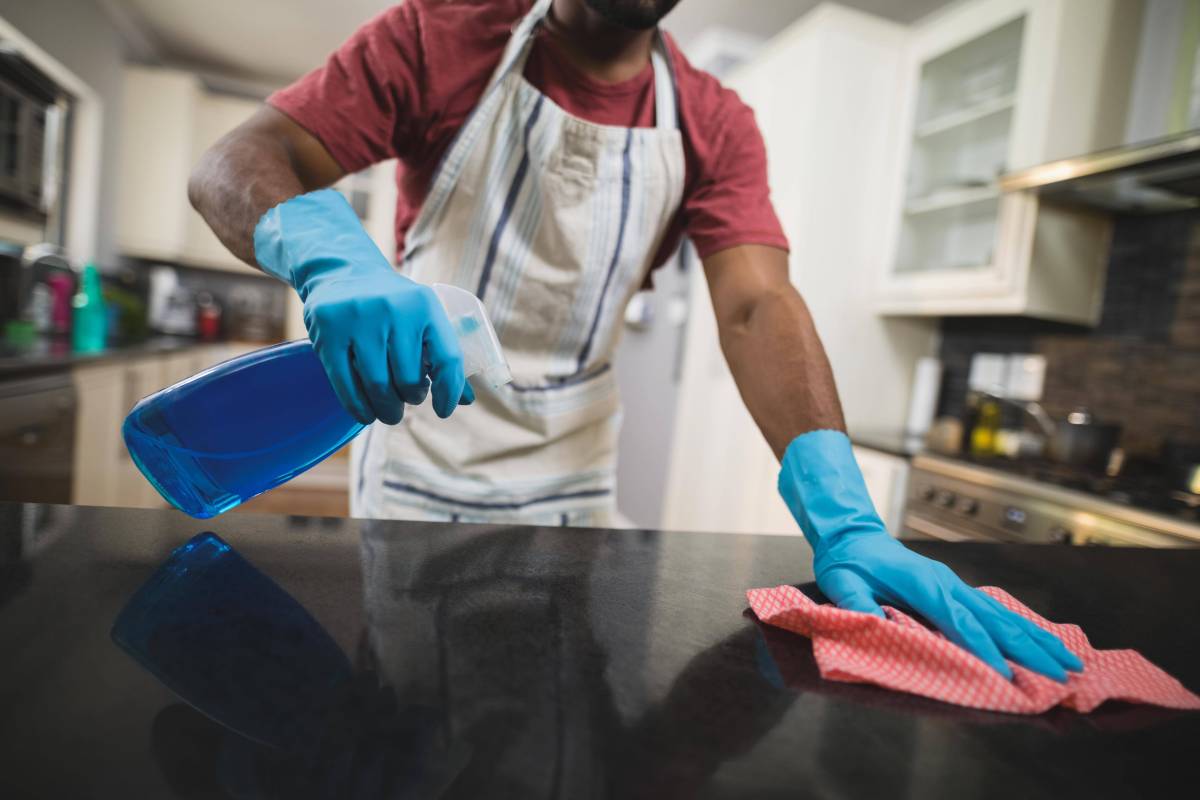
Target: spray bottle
x=218, y=438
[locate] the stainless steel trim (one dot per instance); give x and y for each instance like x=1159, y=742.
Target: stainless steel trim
x=1120, y=158
x=1077, y=501
x=935, y=531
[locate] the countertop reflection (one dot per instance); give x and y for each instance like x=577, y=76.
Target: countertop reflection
x=291, y=657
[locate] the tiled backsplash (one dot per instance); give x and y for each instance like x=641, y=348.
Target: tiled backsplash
x=1140, y=366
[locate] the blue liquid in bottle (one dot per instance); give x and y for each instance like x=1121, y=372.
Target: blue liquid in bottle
x=217, y=439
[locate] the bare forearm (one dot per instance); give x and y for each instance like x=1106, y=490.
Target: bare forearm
x=251, y=170
x=781, y=370
x=776, y=356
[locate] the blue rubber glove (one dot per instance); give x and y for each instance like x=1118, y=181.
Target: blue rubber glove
x=858, y=565
x=382, y=338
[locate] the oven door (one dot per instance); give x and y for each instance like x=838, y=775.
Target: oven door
x=37, y=439
x=922, y=528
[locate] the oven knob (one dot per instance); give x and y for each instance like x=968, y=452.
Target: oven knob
x=1060, y=535
x=945, y=499
x=968, y=505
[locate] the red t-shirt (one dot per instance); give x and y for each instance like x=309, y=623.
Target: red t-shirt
x=405, y=82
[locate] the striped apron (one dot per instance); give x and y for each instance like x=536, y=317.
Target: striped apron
x=553, y=221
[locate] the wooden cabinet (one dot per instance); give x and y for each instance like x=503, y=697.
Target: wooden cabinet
x=993, y=86
x=104, y=474
x=98, y=447
x=824, y=152
x=168, y=120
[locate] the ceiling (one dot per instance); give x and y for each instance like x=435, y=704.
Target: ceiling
x=272, y=42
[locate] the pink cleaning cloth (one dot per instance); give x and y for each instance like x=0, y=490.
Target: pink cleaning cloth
x=902, y=654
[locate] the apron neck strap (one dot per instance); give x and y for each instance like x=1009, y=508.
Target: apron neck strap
x=664, y=85
x=517, y=51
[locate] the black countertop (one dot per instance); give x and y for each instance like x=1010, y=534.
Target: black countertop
x=480, y=661
x=49, y=354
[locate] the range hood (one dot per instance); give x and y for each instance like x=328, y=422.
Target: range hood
x=1151, y=177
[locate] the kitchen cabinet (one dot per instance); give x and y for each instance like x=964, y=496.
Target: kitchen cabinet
x=168, y=120
x=886, y=477
x=821, y=151
x=157, y=117
x=99, y=411
x=104, y=474
x=992, y=86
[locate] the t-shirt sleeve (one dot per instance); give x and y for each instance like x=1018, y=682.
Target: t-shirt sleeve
x=730, y=203
x=364, y=104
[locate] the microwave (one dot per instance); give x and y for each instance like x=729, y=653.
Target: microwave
x=34, y=116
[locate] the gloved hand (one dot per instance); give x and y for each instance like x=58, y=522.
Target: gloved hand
x=380, y=336
x=858, y=565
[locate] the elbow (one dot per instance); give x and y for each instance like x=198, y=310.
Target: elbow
x=198, y=180
x=215, y=164
x=743, y=317
x=195, y=189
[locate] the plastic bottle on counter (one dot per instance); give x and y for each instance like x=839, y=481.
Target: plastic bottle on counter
x=89, y=319
x=216, y=439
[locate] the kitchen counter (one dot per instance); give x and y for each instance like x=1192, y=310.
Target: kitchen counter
x=486, y=661
x=49, y=354
x=894, y=443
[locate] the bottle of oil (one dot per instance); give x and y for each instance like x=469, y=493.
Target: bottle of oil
x=987, y=425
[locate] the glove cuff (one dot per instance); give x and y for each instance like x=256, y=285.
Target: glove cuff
x=294, y=239
x=823, y=487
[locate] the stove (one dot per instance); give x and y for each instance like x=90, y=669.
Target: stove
x=1042, y=502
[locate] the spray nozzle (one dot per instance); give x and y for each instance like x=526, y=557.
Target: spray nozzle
x=476, y=336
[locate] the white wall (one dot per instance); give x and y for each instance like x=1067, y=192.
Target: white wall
x=79, y=35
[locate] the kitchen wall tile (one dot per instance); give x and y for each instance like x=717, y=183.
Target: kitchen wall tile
x=1139, y=366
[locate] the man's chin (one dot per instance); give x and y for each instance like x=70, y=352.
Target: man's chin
x=636, y=15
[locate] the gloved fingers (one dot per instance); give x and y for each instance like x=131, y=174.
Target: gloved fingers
x=850, y=592
x=1053, y=645
x=1012, y=639
x=416, y=395
x=468, y=394
x=336, y=360
x=407, y=367
x=445, y=360
x=935, y=601
x=370, y=361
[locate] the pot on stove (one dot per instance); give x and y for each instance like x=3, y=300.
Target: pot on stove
x=1082, y=442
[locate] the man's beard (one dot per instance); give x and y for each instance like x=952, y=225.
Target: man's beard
x=632, y=14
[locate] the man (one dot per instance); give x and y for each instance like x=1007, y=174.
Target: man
x=551, y=154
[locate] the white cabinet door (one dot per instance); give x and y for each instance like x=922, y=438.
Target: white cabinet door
x=886, y=477
x=721, y=468
x=98, y=446
x=139, y=379
x=168, y=120
x=994, y=86
x=157, y=122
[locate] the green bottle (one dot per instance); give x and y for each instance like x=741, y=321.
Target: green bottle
x=88, y=318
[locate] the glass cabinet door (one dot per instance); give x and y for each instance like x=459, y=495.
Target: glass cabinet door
x=960, y=144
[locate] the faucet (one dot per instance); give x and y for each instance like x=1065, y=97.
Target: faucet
x=1031, y=407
